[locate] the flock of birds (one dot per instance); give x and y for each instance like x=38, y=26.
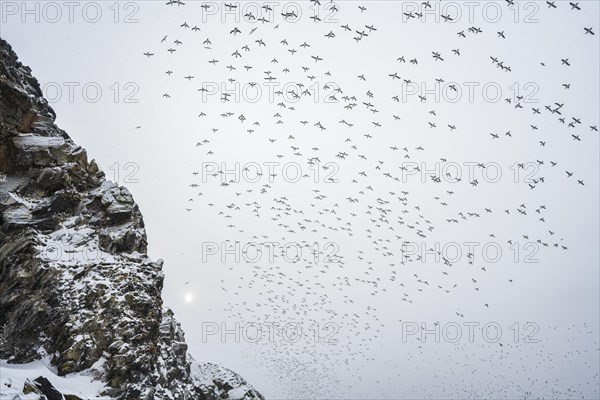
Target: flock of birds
x=370, y=206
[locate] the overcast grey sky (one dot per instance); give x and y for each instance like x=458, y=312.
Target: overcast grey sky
x=109, y=97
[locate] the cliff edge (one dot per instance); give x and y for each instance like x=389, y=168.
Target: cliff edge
x=78, y=293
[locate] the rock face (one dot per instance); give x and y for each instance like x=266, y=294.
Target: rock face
x=76, y=285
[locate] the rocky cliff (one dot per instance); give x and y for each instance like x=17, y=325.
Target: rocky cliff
x=76, y=286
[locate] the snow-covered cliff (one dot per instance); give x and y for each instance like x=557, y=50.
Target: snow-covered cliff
x=81, y=314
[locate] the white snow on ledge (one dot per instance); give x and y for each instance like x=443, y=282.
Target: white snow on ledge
x=13, y=377
x=35, y=142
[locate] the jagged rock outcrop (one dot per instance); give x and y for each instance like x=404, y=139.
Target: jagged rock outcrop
x=76, y=285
